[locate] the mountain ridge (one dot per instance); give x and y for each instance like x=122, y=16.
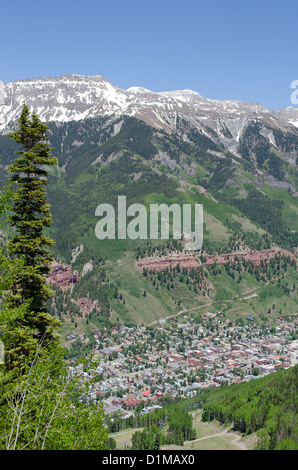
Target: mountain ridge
x=77, y=97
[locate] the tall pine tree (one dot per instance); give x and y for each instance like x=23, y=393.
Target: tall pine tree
x=31, y=215
x=36, y=408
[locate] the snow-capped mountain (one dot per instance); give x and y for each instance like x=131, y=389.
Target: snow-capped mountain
x=76, y=97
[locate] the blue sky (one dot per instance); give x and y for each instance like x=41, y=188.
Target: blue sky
x=225, y=49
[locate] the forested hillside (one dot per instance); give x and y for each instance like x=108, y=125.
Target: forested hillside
x=267, y=406
x=100, y=159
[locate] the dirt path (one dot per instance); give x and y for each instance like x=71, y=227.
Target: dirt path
x=127, y=431
x=238, y=444
x=181, y=312
x=235, y=441
x=226, y=432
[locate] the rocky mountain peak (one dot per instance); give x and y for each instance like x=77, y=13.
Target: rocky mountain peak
x=76, y=97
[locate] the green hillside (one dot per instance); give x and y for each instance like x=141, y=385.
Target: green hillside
x=96, y=164
x=267, y=406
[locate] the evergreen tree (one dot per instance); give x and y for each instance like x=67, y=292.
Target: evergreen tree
x=37, y=410
x=31, y=215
